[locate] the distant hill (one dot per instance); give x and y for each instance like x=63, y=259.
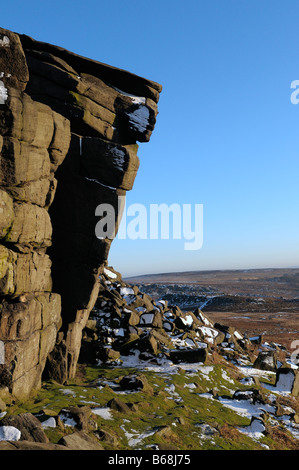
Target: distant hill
x=195, y=276
x=263, y=282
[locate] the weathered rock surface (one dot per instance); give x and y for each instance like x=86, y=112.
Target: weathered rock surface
x=28, y=445
x=69, y=128
x=28, y=425
x=80, y=441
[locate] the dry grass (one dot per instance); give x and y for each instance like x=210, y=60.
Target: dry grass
x=282, y=440
x=229, y=433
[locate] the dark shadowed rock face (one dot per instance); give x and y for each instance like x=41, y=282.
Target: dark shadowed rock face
x=69, y=128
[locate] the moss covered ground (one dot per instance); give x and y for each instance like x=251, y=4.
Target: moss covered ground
x=176, y=409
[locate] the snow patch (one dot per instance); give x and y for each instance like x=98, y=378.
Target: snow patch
x=5, y=42
x=119, y=158
x=110, y=273
x=134, y=438
x=139, y=119
x=283, y=385
x=285, y=382
x=135, y=99
x=204, y=319
x=146, y=319
x=209, y=333
x=126, y=291
x=3, y=93
x=188, y=320
x=103, y=412
x=238, y=335
x=9, y=433
x=67, y=421
x=49, y=423
x=246, y=407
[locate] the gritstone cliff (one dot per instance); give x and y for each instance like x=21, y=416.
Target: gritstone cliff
x=68, y=132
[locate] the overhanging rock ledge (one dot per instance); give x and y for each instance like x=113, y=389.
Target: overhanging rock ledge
x=69, y=128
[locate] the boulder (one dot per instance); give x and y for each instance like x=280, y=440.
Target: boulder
x=80, y=441
x=28, y=425
x=6, y=213
x=12, y=60
x=266, y=360
x=29, y=445
x=132, y=382
x=82, y=416
x=118, y=405
x=107, y=437
x=188, y=355
x=251, y=394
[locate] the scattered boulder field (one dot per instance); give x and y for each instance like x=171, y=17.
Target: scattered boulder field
x=159, y=378
x=126, y=322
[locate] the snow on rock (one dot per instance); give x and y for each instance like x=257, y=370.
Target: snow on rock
x=126, y=291
x=135, y=99
x=139, y=119
x=209, y=333
x=119, y=158
x=188, y=320
x=49, y=423
x=204, y=319
x=247, y=381
x=167, y=326
x=140, y=309
x=9, y=433
x=285, y=381
x=146, y=319
x=119, y=332
x=238, y=335
x=67, y=419
x=165, y=338
x=110, y=273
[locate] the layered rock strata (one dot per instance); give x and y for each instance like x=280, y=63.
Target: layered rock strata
x=69, y=128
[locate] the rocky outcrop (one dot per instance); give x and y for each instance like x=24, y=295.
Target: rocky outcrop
x=127, y=325
x=69, y=128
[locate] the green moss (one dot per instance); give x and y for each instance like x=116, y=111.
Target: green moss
x=76, y=97
x=55, y=434
x=178, y=401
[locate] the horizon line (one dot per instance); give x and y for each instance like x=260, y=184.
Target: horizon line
x=208, y=270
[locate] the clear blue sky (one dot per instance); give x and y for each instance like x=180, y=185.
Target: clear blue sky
x=227, y=134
